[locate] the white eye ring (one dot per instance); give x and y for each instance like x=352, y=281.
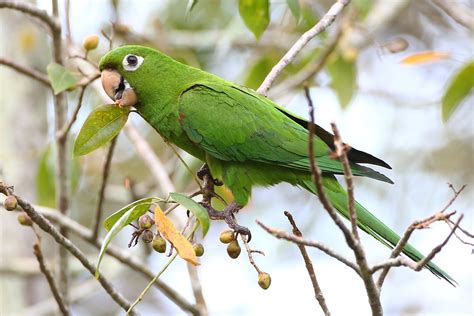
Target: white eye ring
x=132, y=62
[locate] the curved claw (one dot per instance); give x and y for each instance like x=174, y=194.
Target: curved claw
x=243, y=231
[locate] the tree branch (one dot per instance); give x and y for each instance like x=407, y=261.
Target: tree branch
x=351, y=239
x=318, y=293
x=280, y=234
x=418, y=225
x=33, y=11
x=65, y=243
x=49, y=276
x=32, y=73
x=290, y=55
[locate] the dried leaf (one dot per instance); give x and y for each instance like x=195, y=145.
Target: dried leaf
x=170, y=233
x=425, y=57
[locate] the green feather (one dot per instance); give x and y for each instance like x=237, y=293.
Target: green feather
x=245, y=138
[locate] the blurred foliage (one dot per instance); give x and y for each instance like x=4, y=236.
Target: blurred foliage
x=46, y=177
x=256, y=15
x=458, y=89
x=61, y=78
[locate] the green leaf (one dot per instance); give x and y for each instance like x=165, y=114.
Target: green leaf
x=126, y=218
x=46, y=177
x=343, y=73
x=142, y=203
x=197, y=209
x=459, y=88
x=295, y=8
x=256, y=15
x=103, y=124
x=61, y=78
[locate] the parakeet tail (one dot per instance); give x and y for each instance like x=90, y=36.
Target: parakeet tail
x=369, y=223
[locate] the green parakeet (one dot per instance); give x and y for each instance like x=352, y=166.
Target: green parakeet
x=245, y=138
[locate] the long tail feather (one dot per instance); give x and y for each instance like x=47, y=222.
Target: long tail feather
x=370, y=224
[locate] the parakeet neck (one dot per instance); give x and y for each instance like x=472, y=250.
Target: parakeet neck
x=159, y=93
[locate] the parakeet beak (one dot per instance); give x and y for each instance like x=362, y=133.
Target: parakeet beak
x=118, y=89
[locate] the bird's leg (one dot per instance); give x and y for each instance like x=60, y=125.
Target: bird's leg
x=228, y=213
x=205, y=171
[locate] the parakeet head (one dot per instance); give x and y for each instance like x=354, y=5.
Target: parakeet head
x=124, y=72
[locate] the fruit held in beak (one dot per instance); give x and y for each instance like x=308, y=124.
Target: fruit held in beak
x=118, y=89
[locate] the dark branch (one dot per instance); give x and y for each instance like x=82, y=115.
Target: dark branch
x=318, y=293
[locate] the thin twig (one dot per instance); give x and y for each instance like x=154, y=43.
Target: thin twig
x=351, y=240
x=310, y=243
x=193, y=174
x=318, y=293
x=290, y=55
x=197, y=290
x=312, y=70
x=341, y=153
x=145, y=290
x=418, y=225
x=122, y=256
x=31, y=10
x=49, y=276
x=103, y=185
x=67, y=127
x=417, y=266
x=250, y=251
x=32, y=73
x=161, y=176
x=65, y=243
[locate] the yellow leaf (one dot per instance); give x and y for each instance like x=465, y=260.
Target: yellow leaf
x=425, y=57
x=170, y=233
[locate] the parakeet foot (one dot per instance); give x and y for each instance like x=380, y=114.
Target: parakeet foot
x=228, y=216
x=204, y=171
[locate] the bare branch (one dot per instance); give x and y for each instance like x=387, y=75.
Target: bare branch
x=290, y=55
x=417, y=266
x=250, y=252
x=103, y=184
x=65, y=243
x=318, y=293
x=312, y=70
x=458, y=12
x=351, y=239
x=310, y=243
x=341, y=154
x=419, y=224
x=49, y=277
x=33, y=11
x=122, y=256
x=34, y=74
x=197, y=290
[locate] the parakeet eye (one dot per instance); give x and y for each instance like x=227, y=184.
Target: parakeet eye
x=132, y=62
